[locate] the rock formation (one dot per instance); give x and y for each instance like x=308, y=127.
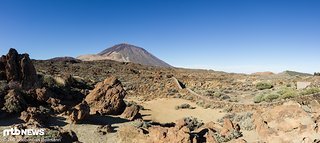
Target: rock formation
x=14, y=102
x=79, y=112
x=18, y=68
x=107, y=97
x=186, y=130
x=281, y=123
x=35, y=116
x=131, y=112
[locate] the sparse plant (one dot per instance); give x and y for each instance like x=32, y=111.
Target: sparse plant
x=310, y=91
x=200, y=103
x=193, y=123
x=268, y=97
x=264, y=85
x=184, y=106
x=286, y=93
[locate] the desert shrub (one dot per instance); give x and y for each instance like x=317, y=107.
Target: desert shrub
x=3, y=86
x=48, y=80
x=309, y=91
x=233, y=135
x=184, y=106
x=209, y=93
x=258, y=98
x=268, y=97
x=217, y=94
x=264, y=85
x=193, y=123
x=200, y=103
x=244, y=119
x=286, y=93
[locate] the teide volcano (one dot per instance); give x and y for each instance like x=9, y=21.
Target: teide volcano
x=126, y=53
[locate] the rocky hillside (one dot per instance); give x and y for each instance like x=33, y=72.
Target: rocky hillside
x=126, y=53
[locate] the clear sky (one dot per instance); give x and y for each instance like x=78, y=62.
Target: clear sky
x=229, y=35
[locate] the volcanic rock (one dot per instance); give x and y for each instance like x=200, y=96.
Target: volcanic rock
x=131, y=113
x=15, y=67
x=35, y=116
x=79, y=112
x=14, y=102
x=283, y=122
x=107, y=97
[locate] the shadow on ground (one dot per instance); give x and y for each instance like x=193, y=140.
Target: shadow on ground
x=103, y=120
x=10, y=120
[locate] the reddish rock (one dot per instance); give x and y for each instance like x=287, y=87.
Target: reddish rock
x=131, y=113
x=79, y=112
x=285, y=123
x=34, y=116
x=227, y=127
x=18, y=68
x=107, y=97
x=43, y=94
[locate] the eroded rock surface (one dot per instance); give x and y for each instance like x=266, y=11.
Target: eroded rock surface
x=18, y=68
x=107, y=97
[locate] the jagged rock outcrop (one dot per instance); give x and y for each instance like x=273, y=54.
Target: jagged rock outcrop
x=282, y=123
x=131, y=112
x=35, y=116
x=14, y=102
x=18, y=68
x=107, y=97
x=186, y=130
x=79, y=112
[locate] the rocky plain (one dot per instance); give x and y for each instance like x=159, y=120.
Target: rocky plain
x=124, y=102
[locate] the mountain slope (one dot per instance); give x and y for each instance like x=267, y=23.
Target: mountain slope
x=126, y=53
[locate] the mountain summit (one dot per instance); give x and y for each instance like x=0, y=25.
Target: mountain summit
x=126, y=53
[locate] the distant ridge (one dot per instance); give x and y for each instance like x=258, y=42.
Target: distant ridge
x=126, y=53
x=294, y=73
x=64, y=59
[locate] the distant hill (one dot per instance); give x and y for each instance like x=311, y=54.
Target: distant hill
x=263, y=73
x=126, y=53
x=294, y=73
x=64, y=59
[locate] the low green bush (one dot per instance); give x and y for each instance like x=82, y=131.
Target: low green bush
x=184, y=106
x=268, y=97
x=310, y=91
x=286, y=93
x=264, y=85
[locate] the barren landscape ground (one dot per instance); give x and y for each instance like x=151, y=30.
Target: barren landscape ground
x=109, y=101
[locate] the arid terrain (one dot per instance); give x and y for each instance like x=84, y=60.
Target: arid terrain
x=124, y=102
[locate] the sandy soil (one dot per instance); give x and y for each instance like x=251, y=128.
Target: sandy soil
x=163, y=111
x=158, y=110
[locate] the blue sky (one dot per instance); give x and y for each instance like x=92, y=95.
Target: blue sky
x=229, y=35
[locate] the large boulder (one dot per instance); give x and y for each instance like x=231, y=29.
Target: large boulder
x=285, y=123
x=131, y=112
x=18, y=68
x=107, y=97
x=79, y=112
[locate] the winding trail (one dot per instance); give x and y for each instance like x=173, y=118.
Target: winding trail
x=235, y=106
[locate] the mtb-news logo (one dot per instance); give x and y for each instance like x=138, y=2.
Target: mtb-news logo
x=27, y=132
